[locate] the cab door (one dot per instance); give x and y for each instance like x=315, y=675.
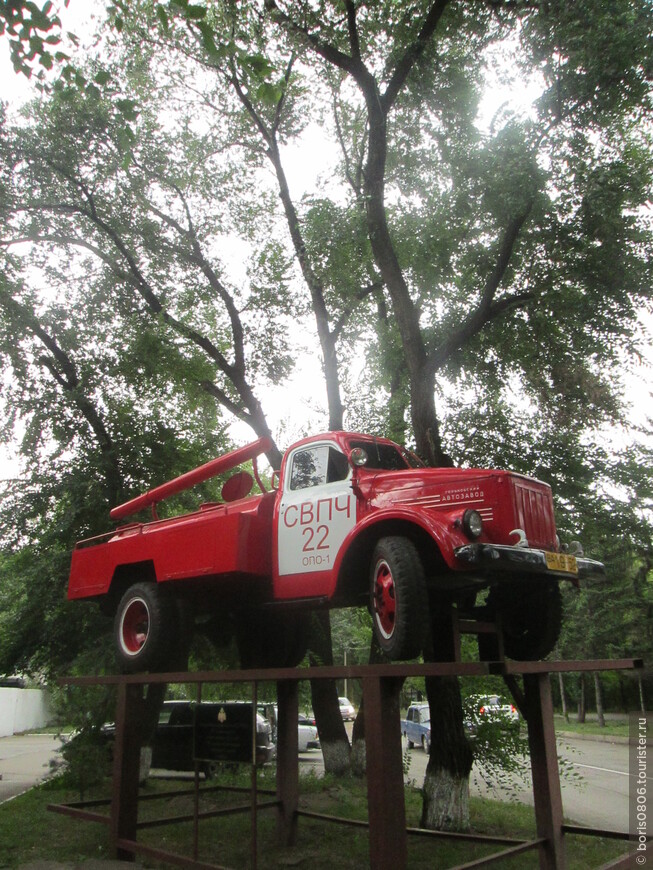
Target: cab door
x=316, y=512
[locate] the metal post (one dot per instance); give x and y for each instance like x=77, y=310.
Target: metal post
x=287, y=760
x=196, y=788
x=385, y=775
x=126, y=768
x=544, y=764
x=253, y=796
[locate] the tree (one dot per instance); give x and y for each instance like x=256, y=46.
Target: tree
x=496, y=267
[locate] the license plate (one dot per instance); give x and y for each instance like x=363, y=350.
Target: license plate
x=561, y=562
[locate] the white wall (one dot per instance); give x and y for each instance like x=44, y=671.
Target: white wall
x=22, y=710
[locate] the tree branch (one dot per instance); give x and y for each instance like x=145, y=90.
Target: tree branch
x=349, y=309
x=280, y=104
x=412, y=53
x=64, y=372
x=197, y=257
x=352, y=27
x=329, y=52
x=487, y=309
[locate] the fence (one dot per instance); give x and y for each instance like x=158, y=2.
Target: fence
x=385, y=787
x=22, y=710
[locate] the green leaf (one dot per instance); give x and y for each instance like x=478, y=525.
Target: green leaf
x=195, y=13
x=41, y=21
x=128, y=109
x=36, y=44
x=214, y=51
x=269, y=93
x=162, y=15
x=102, y=77
x=259, y=65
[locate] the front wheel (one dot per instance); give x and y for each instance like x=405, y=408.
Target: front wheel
x=143, y=628
x=398, y=598
x=531, y=618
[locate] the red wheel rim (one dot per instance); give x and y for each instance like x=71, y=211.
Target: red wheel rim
x=384, y=599
x=135, y=626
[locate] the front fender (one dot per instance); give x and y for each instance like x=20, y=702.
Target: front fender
x=440, y=528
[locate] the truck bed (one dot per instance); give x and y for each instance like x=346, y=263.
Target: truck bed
x=218, y=539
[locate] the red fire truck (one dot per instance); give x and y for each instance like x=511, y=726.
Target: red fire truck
x=350, y=519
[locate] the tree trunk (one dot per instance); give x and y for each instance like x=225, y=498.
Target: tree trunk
x=358, y=751
x=445, y=804
x=334, y=742
x=563, y=697
x=598, y=691
x=581, y=700
x=151, y=706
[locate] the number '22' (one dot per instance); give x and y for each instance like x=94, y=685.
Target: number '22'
x=310, y=534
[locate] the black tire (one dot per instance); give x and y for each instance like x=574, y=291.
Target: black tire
x=271, y=639
x=531, y=618
x=426, y=744
x=146, y=628
x=398, y=598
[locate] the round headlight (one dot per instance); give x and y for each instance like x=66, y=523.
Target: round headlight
x=358, y=457
x=472, y=524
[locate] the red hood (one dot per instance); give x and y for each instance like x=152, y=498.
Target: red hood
x=506, y=501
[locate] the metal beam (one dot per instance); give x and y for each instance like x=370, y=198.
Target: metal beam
x=287, y=760
x=385, y=775
x=544, y=765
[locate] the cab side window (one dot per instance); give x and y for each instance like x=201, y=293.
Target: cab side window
x=315, y=466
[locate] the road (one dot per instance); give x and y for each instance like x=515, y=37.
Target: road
x=596, y=795
x=24, y=762
x=598, y=799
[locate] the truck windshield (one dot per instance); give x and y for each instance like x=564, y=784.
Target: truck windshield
x=388, y=457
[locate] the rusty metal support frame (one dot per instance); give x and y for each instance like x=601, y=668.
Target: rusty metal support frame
x=385, y=786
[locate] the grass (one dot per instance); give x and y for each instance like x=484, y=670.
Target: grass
x=612, y=727
x=30, y=833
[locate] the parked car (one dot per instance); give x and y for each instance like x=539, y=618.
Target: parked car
x=489, y=708
x=347, y=709
x=307, y=736
x=416, y=727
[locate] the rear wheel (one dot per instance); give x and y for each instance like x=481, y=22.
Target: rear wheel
x=271, y=639
x=398, y=598
x=145, y=628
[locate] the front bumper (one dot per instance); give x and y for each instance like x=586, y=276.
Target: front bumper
x=501, y=557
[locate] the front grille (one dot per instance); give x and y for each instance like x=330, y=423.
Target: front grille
x=534, y=512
